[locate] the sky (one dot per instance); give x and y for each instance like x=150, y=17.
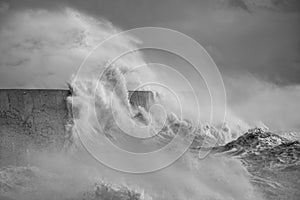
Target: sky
x=255, y=44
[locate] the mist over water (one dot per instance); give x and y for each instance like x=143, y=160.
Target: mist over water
x=75, y=174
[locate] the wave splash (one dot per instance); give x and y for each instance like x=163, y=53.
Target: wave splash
x=215, y=177
x=74, y=174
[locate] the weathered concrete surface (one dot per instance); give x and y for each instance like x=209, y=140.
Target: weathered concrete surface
x=40, y=120
x=32, y=119
x=141, y=98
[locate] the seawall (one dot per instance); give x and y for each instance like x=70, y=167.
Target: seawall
x=32, y=119
x=40, y=120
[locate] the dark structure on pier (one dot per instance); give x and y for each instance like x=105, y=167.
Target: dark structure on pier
x=141, y=98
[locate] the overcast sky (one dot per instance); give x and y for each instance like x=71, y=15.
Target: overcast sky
x=255, y=43
x=256, y=36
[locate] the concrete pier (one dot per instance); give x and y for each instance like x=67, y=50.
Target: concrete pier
x=31, y=119
x=40, y=119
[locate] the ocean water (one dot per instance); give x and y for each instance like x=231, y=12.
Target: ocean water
x=256, y=164
x=224, y=174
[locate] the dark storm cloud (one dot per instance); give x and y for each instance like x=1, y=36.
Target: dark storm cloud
x=238, y=4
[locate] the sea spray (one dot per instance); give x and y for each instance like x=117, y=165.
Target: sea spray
x=188, y=178
x=75, y=174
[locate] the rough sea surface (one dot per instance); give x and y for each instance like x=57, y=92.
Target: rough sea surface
x=274, y=161
x=271, y=160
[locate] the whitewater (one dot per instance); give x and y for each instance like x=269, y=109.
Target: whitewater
x=102, y=115
x=75, y=174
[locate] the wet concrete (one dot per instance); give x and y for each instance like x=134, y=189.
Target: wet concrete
x=32, y=119
x=41, y=120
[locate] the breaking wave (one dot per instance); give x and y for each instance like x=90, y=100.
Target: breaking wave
x=74, y=174
x=102, y=111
